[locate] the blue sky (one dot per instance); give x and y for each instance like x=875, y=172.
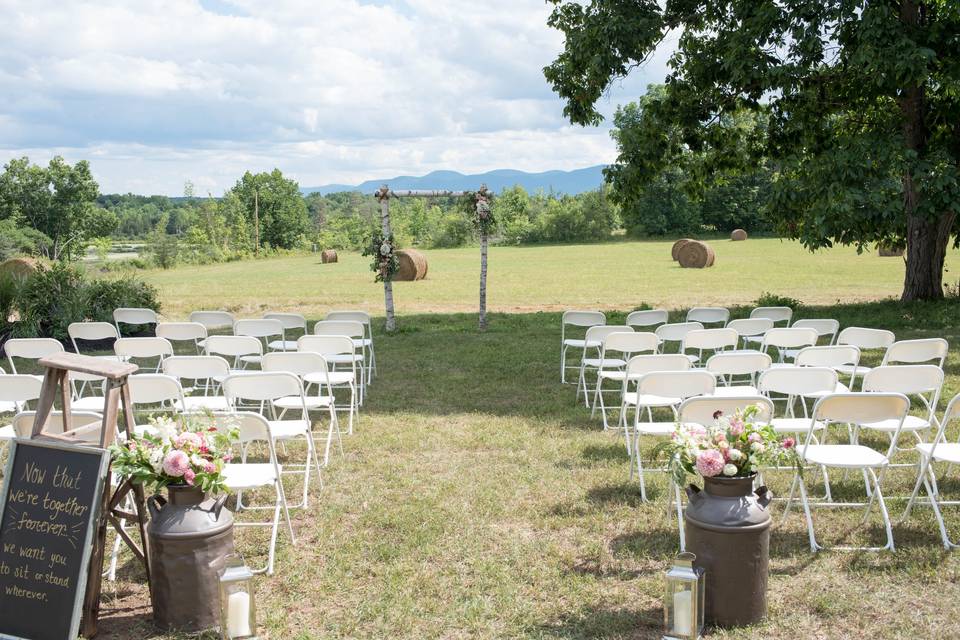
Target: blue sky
x=157, y=92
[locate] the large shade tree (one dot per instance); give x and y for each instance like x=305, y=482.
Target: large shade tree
x=275, y=210
x=863, y=99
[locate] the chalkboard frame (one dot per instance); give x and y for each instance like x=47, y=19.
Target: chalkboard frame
x=93, y=522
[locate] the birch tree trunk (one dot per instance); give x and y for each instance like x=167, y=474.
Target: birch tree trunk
x=483, y=281
x=384, y=196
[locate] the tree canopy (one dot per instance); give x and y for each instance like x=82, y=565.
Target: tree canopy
x=277, y=202
x=862, y=101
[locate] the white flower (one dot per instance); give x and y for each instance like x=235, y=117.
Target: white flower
x=757, y=447
x=729, y=469
x=165, y=426
x=156, y=460
x=197, y=461
x=385, y=249
x=734, y=454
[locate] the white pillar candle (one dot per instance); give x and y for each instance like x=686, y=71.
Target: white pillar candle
x=682, y=624
x=238, y=614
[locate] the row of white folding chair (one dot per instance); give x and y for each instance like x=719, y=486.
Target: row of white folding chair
x=364, y=318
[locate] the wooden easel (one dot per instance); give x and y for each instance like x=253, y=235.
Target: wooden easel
x=117, y=391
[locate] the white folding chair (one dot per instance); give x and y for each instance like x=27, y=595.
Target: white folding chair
x=833, y=356
x=751, y=329
x=306, y=366
x=143, y=349
x=291, y=323
x=662, y=389
x=85, y=424
x=937, y=450
x=637, y=367
x=248, y=476
x=355, y=331
x=864, y=339
x=647, y=318
x=264, y=329
x=785, y=340
x=709, y=315
x=713, y=340
x=202, y=371
x=623, y=344
x=89, y=332
x=336, y=351
x=213, y=321
x=921, y=381
x=584, y=319
x=922, y=351
x=16, y=390
x=593, y=343
x=824, y=327
x=81, y=332
x=133, y=316
x=234, y=349
x=675, y=332
x=30, y=349
x=851, y=409
x=797, y=383
x=728, y=367
x=152, y=393
x=364, y=318
x=774, y=314
x=192, y=332
x=261, y=387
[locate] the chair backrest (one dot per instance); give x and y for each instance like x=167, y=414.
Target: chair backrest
x=798, y=381
x=596, y=335
x=629, y=342
x=582, y=318
x=133, y=315
x=30, y=349
x=260, y=386
x=738, y=363
x=775, y=314
x=675, y=331
x=643, y=364
x=90, y=331
x=181, y=331
x=647, y=318
x=917, y=351
x=154, y=388
x=908, y=379
x=196, y=367
x=751, y=326
x=701, y=409
x=677, y=384
x=349, y=328
x=859, y=408
x=834, y=355
x=823, y=326
x=951, y=413
x=252, y=427
x=150, y=347
x=288, y=320
x=213, y=319
x=326, y=345
x=258, y=327
x=233, y=346
x=709, y=315
x=784, y=338
x=87, y=422
x=299, y=363
x=354, y=316
x=711, y=339
x=866, y=338
x=19, y=388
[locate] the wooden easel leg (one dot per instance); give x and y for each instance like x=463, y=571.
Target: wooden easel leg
x=91, y=599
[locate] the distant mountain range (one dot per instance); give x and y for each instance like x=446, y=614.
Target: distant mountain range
x=568, y=182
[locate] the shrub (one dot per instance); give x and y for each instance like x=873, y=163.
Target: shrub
x=768, y=299
x=103, y=296
x=454, y=230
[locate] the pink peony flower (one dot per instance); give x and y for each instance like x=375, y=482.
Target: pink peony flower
x=176, y=463
x=736, y=426
x=788, y=443
x=189, y=475
x=754, y=437
x=209, y=467
x=187, y=438
x=710, y=463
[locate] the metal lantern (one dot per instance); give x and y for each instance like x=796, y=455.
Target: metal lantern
x=684, y=599
x=238, y=618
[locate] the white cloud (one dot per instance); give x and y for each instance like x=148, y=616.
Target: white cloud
x=155, y=92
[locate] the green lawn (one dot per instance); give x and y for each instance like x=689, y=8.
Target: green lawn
x=522, y=279
x=476, y=500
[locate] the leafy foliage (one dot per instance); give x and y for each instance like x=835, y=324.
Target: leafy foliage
x=277, y=202
x=382, y=251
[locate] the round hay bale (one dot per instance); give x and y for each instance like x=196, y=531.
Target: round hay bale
x=19, y=266
x=696, y=255
x=413, y=265
x=887, y=251
x=738, y=235
x=328, y=255
x=675, y=249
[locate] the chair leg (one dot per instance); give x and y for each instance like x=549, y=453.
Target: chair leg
x=921, y=478
x=563, y=365
x=678, y=497
x=883, y=510
x=804, y=499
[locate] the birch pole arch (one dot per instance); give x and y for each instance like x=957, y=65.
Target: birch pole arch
x=383, y=248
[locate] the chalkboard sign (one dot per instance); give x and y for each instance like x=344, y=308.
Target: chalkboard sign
x=49, y=511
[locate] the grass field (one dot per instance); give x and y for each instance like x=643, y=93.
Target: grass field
x=477, y=500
